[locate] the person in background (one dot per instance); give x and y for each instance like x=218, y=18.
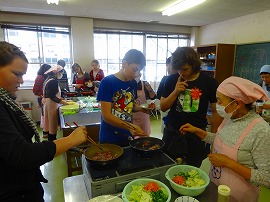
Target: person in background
x=21, y=157
x=188, y=95
x=38, y=90
x=170, y=71
x=265, y=84
x=62, y=63
x=117, y=94
x=52, y=99
x=81, y=79
x=240, y=153
x=64, y=80
x=144, y=93
x=162, y=88
x=96, y=74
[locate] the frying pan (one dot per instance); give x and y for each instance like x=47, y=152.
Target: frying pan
x=87, y=93
x=138, y=145
x=71, y=94
x=90, y=152
x=142, y=145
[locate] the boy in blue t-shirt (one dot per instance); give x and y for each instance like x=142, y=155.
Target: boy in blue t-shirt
x=117, y=94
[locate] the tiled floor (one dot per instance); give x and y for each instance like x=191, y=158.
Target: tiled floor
x=56, y=170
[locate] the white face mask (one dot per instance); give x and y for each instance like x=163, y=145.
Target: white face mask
x=89, y=84
x=221, y=111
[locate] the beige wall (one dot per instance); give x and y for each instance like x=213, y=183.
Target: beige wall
x=82, y=33
x=247, y=29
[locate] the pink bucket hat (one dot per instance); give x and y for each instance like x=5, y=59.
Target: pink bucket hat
x=54, y=69
x=243, y=89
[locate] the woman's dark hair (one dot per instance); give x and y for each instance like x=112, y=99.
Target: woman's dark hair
x=186, y=55
x=43, y=69
x=134, y=56
x=74, y=66
x=95, y=61
x=8, y=52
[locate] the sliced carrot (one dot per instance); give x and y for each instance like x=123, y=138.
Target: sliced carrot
x=151, y=186
x=179, y=180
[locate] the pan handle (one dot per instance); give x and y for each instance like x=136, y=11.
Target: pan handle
x=122, y=134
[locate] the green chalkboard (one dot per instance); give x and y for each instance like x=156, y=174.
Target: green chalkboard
x=249, y=58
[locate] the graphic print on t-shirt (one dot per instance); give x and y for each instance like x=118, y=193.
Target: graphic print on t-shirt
x=123, y=104
x=189, y=100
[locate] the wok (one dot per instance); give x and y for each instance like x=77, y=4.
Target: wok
x=90, y=152
x=144, y=146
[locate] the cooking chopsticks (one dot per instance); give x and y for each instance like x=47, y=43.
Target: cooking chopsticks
x=69, y=126
x=131, y=126
x=88, y=138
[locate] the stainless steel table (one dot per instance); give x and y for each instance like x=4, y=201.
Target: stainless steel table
x=74, y=189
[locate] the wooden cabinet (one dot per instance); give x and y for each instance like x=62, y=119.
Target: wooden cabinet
x=217, y=60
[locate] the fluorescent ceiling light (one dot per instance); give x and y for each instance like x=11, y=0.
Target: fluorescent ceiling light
x=30, y=10
x=53, y=2
x=181, y=6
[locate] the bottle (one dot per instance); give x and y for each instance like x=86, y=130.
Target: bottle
x=223, y=193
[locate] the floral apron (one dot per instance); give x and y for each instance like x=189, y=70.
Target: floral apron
x=241, y=190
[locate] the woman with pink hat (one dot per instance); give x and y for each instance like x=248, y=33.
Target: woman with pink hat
x=240, y=148
x=52, y=99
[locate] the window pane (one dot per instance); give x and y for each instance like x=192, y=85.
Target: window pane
x=31, y=74
x=158, y=48
x=41, y=47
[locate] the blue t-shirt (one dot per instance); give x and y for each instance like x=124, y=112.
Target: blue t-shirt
x=122, y=96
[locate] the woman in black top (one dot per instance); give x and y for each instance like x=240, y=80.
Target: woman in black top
x=20, y=157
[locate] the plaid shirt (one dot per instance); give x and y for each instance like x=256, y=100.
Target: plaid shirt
x=38, y=86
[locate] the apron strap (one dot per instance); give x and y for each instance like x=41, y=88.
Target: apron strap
x=246, y=131
x=221, y=125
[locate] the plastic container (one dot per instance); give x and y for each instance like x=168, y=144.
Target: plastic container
x=186, y=199
x=74, y=108
x=223, y=193
x=128, y=188
x=103, y=198
x=187, y=191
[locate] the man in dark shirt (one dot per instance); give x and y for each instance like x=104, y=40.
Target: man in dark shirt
x=188, y=95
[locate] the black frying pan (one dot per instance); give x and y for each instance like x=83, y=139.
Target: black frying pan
x=71, y=94
x=90, y=152
x=146, y=146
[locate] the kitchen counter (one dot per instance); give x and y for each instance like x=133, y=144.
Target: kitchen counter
x=88, y=115
x=75, y=190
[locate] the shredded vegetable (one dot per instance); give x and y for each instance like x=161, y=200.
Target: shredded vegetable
x=189, y=179
x=151, y=192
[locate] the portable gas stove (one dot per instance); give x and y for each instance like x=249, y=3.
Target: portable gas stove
x=129, y=167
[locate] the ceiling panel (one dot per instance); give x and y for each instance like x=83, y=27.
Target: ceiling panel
x=211, y=11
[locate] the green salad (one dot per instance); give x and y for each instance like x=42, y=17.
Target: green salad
x=189, y=179
x=151, y=192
